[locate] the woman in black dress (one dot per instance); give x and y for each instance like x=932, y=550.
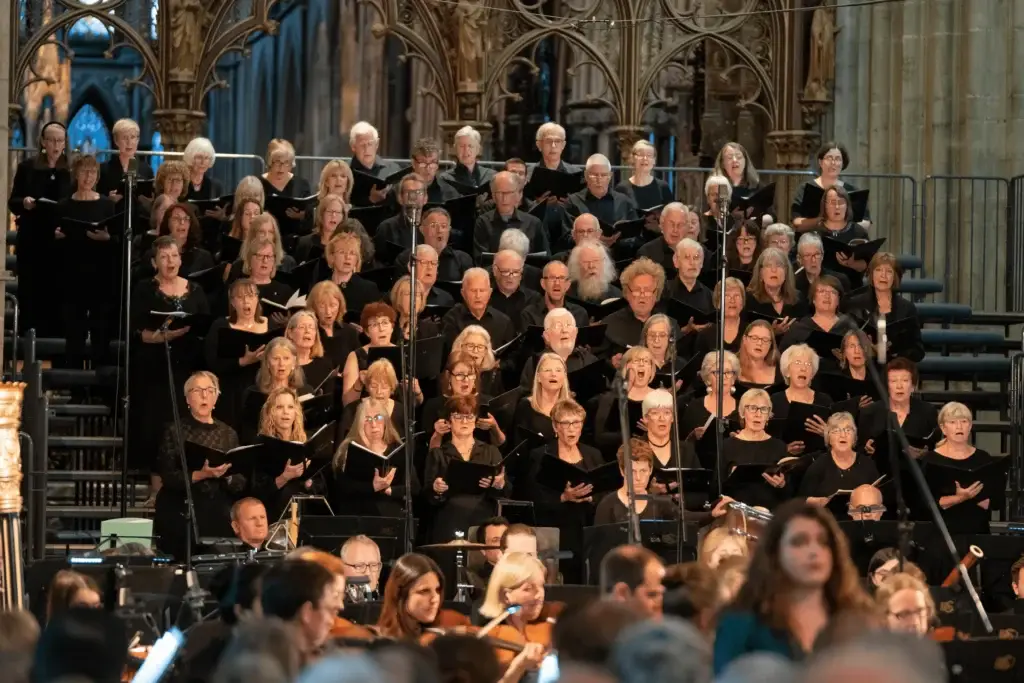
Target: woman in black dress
x=646, y=190
x=114, y=171
x=261, y=257
x=199, y=156
x=825, y=293
x=181, y=223
x=918, y=418
x=303, y=331
x=799, y=366
x=832, y=160
x=637, y=370
x=91, y=253
x=773, y=291
x=840, y=467
x=279, y=369
x=734, y=163
x=837, y=224
x=344, y=256
x=281, y=418
x=459, y=380
x=882, y=300
x=237, y=374
x=384, y=496
x=327, y=302
x=214, y=489
x=752, y=445
x=331, y=211
x=476, y=342
x=532, y=419
x=279, y=181
x=261, y=228
x=697, y=415
x=759, y=358
x=377, y=320
x=457, y=511
x=150, y=391
x=614, y=508
x=39, y=183
x=735, y=298
x=399, y=297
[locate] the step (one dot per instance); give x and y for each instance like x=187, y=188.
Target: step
x=48, y=347
x=91, y=442
x=63, y=378
x=943, y=312
x=972, y=338
x=978, y=399
x=951, y=368
x=82, y=475
x=919, y=286
x=992, y=427
x=94, y=511
x=79, y=409
x=909, y=261
x=997, y=318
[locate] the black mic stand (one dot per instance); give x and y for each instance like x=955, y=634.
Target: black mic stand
x=681, y=539
x=191, y=525
x=622, y=394
x=723, y=266
x=126, y=282
x=413, y=214
x=896, y=433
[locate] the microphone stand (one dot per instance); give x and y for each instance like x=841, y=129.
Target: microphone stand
x=677, y=445
x=126, y=282
x=723, y=268
x=621, y=393
x=896, y=432
x=413, y=213
x=191, y=525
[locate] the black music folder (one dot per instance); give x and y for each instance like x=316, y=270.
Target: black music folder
x=600, y=310
x=318, y=411
x=198, y=323
x=226, y=202
x=232, y=343
x=391, y=354
x=761, y=200
x=558, y=183
x=275, y=454
x=362, y=464
x=428, y=357
x=197, y=454
x=796, y=428
x=591, y=380
x=76, y=230
x=463, y=478
x=863, y=251
x=556, y=474
x=810, y=207
x=683, y=312
x=362, y=183
x=278, y=205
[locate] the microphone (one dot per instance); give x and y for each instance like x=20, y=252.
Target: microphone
x=883, y=341
x=724, y=195
x=133, y=168
x=412, y=212
x=195, y=596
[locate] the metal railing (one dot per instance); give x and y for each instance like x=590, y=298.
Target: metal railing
x=1015, y=230
x=1015, y=481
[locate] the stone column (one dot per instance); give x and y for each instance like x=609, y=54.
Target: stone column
x=469, y=113
x=789, y=150
x=179, y=123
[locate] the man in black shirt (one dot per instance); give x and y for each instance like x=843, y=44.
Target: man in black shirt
x=425, y=156
x=592, y=272
x=606, y=204
x=642, y=284
x=249, y=522
x=474, y=310
x=688, y=260
x=426, y=275
x=674, y=223
x=507, y=190
x=560, y=332
x=396, y=230
x=435, y=226
x=511, y=298
x=364, y=141
x=467, y=171
x=555, y=283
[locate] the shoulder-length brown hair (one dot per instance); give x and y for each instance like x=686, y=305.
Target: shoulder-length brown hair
x=455, y=358
x=766, y=592
x=395, y=621
x=752, y=228
x=242, y=286
x=773, y=257
x=195, y=235
x=840, y=192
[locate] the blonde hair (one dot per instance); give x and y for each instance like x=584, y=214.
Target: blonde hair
x=631, y=353
x=748, y=397
x=329, y=168
x=490, y=362
x=249, y=187
x=511, y=572
x=644, y=266
x=267, y=427
x=341, y=238
x=406, y=281
x=318, y=348
x=252, y=247
x=263, y=379
x=381, y=369
x=355, y=432
x=954, y=411
x=202, y=374
x=279, y=147
x=567, y=407
x=795, y=350
x=247, y=250
x=717, y=537
x=730, y=283
x=323, y=290
x=124, y=126
x=643, y=144
x=563, y=393
x=168, y=169
x=773, y=257
x=836, y=421
x=318, y=224
x=710, y=364
x=903, y=581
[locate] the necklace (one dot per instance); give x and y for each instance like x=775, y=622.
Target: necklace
x=659, y=445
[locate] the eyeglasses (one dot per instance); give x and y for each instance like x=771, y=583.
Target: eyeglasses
x=657, y=336
x=835, y=202
x=659, y=414
x=845, y=431
x=561, y=326
x=646, y=156
x=426, y=263
x=510, y=273
x=179, y=219
x=833, y=159
x=571, y=424
x=462, y=376
x=474, y=347
x=816, y=256
x=505, y=194
x=727, y=373
x=364, y=566
x=758, y=340
x=438, y=225
x=598, y=176
x=263, y=257
x=641, y=361
x=379, y=323
x=421, y=163
x=463, y=417
x=552, y=142
x=332, y=212
x=641, y=292
x=762, y=410
x=910, y=614
x=204, y=391
x=555, y=278
x=370, y=419
x=802, y=363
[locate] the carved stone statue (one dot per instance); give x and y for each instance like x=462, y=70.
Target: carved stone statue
x=470, y=21
x=821, y=62
x=186, y=36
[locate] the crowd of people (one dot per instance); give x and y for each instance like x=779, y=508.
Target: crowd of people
x=504, y=320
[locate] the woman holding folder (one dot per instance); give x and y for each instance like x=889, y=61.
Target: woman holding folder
x=279, y=369
x=883, y=302
x=91, y=243
x=464, y=475
x=459, y=380
x=837, y=224
x=824, y=294
x=799, y=366
x=697, y=416
x=637, y=370
x=841, y=468
x=752, y=448
x=475, y=341
x=328, y=304
x=281, y=419
x=532, y=418
x=832, y=160
x=369, y=465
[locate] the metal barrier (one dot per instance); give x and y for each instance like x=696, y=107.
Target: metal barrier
x=964, y=238
x=1015, y=268
x=1015, y=481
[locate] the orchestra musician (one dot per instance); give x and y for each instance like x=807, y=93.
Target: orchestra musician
x=866, y=504
x=249, y=522
x=214, y=489
x=632, y=574
x=69, y=590
x=518, y=579
x=361, y=557
x=306, y=594
x=614, y=508
x=907, y=604
x=489, y=532
x=532, y=417
x=720, y=543
x=339, y=339
x=40, y=182
x=800, y=577
x=842, y=467
x=460, y=510
x=644, y=189
x=412, y=598
x=832, y=160
x=735, y=297
x=303, y=332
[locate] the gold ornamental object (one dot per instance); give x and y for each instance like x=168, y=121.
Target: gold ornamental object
x=12, y=586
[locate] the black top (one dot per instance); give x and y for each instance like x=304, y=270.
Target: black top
x=34, y=178
x=548, y=507
x=354, y=497
x=393, y=230
x=781, y=402
x=612, y=292
x=966, y=517
x=317, y=371
x=478, y=177
x=922, y=420
x=803, y=285
x=489, y=226
x=88, y=256
x=358, y=292
x=512, y=306
x=451, y=263
x=611, y=510
x=458, y=513
x=210, y=188
x=233, y=378
x=439, y=297
x=864, y=309
x=655, y=193
x=624, y=330
x=112, y=175
x=344, y=339
x=528, y=423
x=700, y=297
x=532, y=315
x=611, y=208
x=736, y=451
x=661, y=253
x=707, y=340
x=797, y=309
x=795, y=208
x=494, y=321
x=824, y=477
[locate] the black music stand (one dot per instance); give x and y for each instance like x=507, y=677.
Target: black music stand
x=329, y=533
x=658, y=535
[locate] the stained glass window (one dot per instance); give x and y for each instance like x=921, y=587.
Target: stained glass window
x=154, y=13
x=17, y=137
x=157, y=146
x=89, y=27
x=88, y=132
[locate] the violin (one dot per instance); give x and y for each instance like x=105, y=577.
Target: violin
x=450, y=618
x=351, y=632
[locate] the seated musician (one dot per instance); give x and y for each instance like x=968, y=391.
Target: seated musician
x=339, y=339
x=412, y=598
x=614, y=508
x=459, y=511
x=719, y=544
x=801, y=576
x=642, y=283
x=773, y=292
x=696, y=414
x=810, y=253
x=560, y=330
x=866, y=504
x=249, y=522
x=263, y=227
x=1016, y=583
x=304, y=332
x=735, y=297
x=883, y=299
x=592, y=272
x=507, y=191
x=918, y=418
x=400, y=301
x=378, y=322
x=799, y=366
x=633, y=574
x=673, y=224
x=532, y=417
x=345, y=257
x=907, y=604
x=306, y=594
x=475, y=309
x=331, y=211
x=489, y=532
x=213, y=488
x=759, y=358
x=554, y=283
x=519, y=538
x=361, y=557
x=383, y=496
x=841, y=467
x=518, y=579
x=279, y=369
x=460, y=379
x=475, y=341
x=637, y=370
x=752, y=445
x=281, y=418
x=511, y=297
x=70, y=590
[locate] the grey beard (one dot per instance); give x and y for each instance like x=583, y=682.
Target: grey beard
x=591, y=288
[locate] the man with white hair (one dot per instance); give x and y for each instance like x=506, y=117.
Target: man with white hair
x=467, y=172
x=475, y=310
x=364, y=141
x=426, y=276
x=436, y=229
x=516, y=240
x=507, y=191
x=592, y=272
x=511, y=297
x=551, y=143
x=560, y=331
x=674, y=224
x=598, y=198
x=810, y=254
x=688, y=262
x=554, y=282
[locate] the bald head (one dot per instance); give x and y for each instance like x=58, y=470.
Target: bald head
x=507, y=190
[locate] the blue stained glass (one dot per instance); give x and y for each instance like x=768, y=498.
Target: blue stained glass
x=17, y=137
x=154, y=14
x=89, y=27
x=88, y=132
x=157, y=146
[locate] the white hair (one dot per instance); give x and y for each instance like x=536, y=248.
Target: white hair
x=810, y=239
x=509, y=252
x=789, y=355
x=607, y=267
x=778, y=229
x=199, y=146
x=359, y=129
x=476, y=271
x=720, y=181
x=659, y=398
x=549, y=128
x=426, y=249
x=558, y=313
x=598, y=159
x=124, y=126
x=514, y=239
x=691, y=244
x=586, y=217
x=710, y=363
x=469, y=132
x=673, y=206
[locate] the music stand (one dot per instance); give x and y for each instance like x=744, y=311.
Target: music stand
x=660, y=536
x=329, y=533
